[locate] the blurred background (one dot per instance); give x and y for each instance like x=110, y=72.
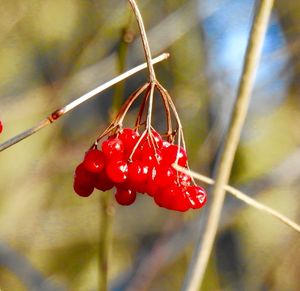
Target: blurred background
x=52, y=51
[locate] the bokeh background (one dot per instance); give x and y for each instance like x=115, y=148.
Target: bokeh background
x=52, y=51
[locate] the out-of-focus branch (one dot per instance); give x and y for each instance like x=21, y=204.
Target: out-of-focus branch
x=245, y=198
x=204, y=245
x=60, y=112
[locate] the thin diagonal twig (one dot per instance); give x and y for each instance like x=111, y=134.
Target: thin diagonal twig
x=204, y=244
x=243, y=197
x=60, y=112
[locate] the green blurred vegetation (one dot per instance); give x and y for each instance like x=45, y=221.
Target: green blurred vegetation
x=51, y=51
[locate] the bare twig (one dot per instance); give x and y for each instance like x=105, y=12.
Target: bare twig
x=145, y=42
x=204, y=246
x=59, y=112
x=147, y=51
x=106, y=213
x=106, y=199
x=241, y=196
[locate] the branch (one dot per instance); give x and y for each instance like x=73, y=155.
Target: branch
x=147, y=51
x=145, y=42
x=60, y=112
x=245, y=198
x=204, y=246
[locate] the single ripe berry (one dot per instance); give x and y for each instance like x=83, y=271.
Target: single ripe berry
x=125, y=196
x=180, y=200
x=117, y=171
x=1, y=126
x=164, y=177
x=154, y=140
x=165, y=144
x=150, y=158
x=184, y=179
x=84, y=176
x=173, y=152
x=150, y=187
x=197, y=196
x=129, y=138
x=173, y=198
x=94, y=161
x=113, y=149
x=82, y=189
x=137, y=172
x=102, y=182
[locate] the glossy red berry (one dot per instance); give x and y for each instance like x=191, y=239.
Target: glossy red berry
x=171, y=153
x=151, y=159
x=165, y=144
x=173, y=198
x=137, y=172
x=102, y=182
x=197, y=196
x=129, y=138
x=1, y=126
x=155, y=140
x=150, y=186
x=83, y=176
x=184, y=179
x=125, y=196
x=164, y=177
x=113, y=149
x=117, y=171
x=82, y=189
x=94, y=161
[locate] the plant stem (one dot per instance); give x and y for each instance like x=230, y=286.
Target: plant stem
x=106, y=200
x=145, y=42
x=147, y=51
x=121, y=65
x=106, y=213
x=204, y=246
x=243, y=197
x=60, y=112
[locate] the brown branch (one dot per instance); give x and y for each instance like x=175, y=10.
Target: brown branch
x=204, y=244
x=60, y=112
x=243, y=197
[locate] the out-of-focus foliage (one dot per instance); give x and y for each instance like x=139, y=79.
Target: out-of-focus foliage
x=51, y=51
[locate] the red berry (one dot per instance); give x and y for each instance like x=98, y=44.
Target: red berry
x=82, y=189
x=154, y=141
x=1, y=126
x=102, y=182
x=113, y=149
x=180, y=202
x=184, y=179
x=94, y=161
x=137, y=172
x=173, y=198
x=197, y=196
x=165, y=144
x=150, y=158
x=125, y=196
x=117, y=171
x=83, y=176
x=151, y=187
x=169, y=155
x=129, y=138
x=164, y=176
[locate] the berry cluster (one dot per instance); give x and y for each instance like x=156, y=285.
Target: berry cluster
x=135, y=163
